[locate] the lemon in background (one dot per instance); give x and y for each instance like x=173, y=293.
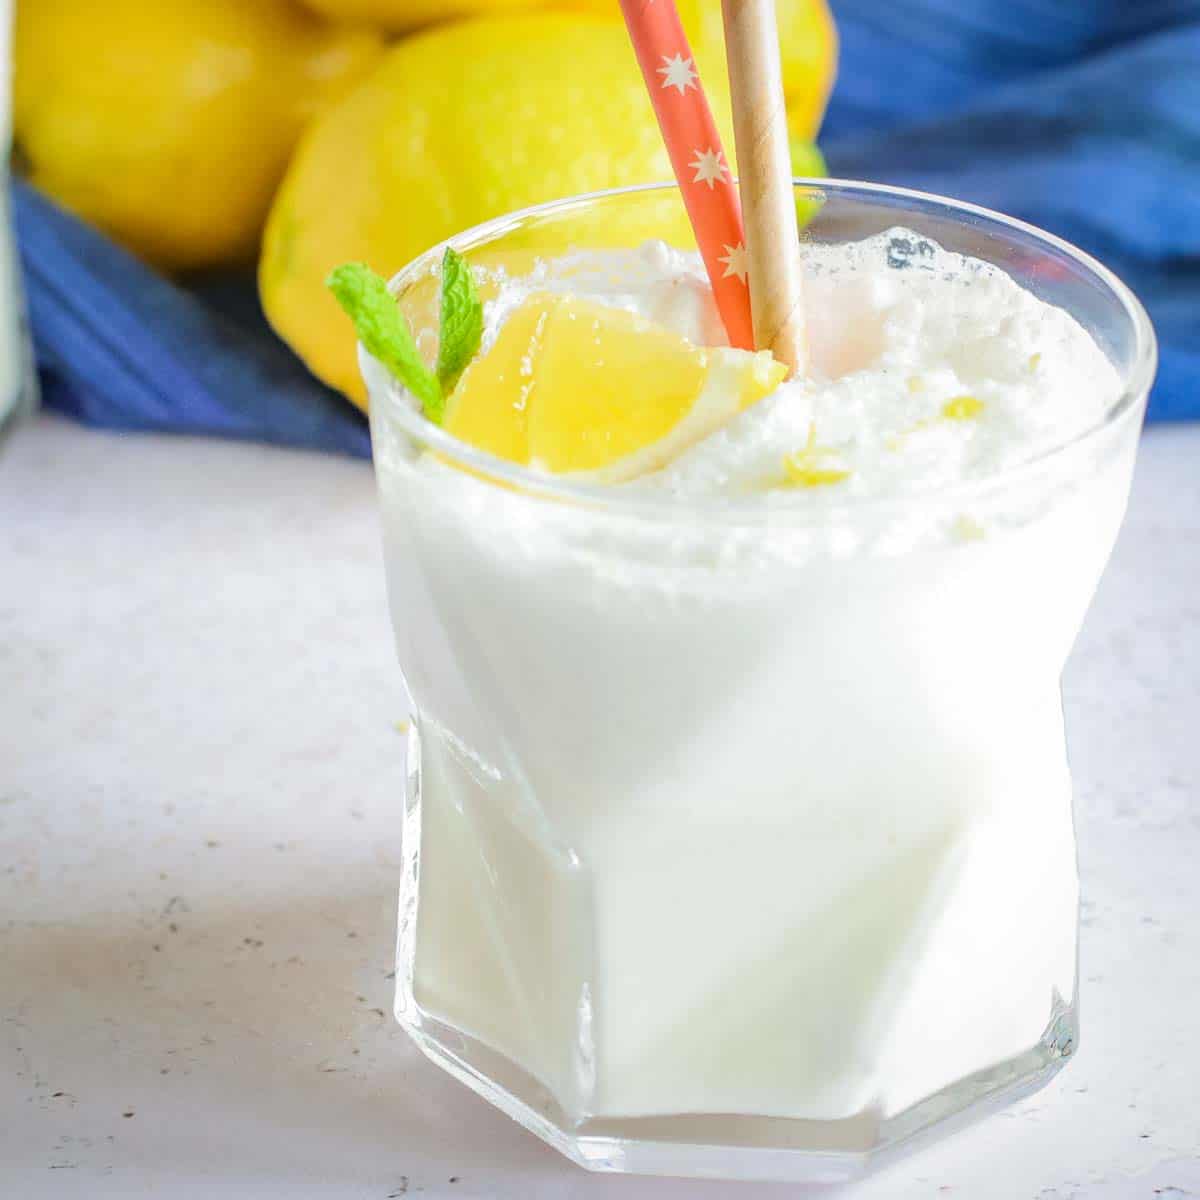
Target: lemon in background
x=400, y=16
x=807, y=52
x=807, y=37
x=168, y=123
x=457, y=124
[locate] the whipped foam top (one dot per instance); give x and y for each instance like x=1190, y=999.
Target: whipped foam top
x=926, y=367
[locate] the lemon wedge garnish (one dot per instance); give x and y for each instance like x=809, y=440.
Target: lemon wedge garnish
x=573, y=386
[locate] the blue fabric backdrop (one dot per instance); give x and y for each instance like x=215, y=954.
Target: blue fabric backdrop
x=1081, y=116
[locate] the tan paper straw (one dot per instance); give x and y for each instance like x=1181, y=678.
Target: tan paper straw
x=765, y=179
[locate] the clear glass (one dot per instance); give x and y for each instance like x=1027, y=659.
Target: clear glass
x=738, y=836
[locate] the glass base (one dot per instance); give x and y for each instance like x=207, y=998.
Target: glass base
x=730, y=1146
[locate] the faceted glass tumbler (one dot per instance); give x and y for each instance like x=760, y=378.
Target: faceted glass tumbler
x=738, y=836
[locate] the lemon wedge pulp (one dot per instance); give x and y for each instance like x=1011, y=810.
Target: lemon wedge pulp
x=573, y=386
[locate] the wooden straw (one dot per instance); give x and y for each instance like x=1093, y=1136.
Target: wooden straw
x=697, y=156
x=765, y=171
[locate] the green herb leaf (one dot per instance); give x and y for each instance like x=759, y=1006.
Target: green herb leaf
x=461, y=321
x=382, y=329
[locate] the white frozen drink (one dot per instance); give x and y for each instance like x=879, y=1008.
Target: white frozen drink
x=745, y=799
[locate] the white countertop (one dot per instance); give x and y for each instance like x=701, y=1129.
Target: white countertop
x=200, y=783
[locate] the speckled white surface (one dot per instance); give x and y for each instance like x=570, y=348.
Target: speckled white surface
x=200, y=781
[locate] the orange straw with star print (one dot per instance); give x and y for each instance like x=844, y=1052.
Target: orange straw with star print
x=697, y=157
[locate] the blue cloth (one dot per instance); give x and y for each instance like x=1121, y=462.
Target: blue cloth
x=1083, y=118
x=1080, y=116
x=120, y=347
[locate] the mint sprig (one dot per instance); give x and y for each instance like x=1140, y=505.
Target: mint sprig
x=384, y=331
x=461, y=320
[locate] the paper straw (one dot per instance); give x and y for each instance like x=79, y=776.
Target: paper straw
x=697, y=157
x=764, y=162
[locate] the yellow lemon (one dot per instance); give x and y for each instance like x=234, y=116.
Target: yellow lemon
x=575, y=386
x=400, y=16
x=807, y=38
x=169, y=125
x=807, y=50
x=457, y=124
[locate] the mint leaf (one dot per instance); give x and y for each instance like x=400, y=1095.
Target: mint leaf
x=382, y=329
x=461, y=322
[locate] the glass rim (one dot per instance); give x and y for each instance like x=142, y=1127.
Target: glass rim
x=498, y=472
